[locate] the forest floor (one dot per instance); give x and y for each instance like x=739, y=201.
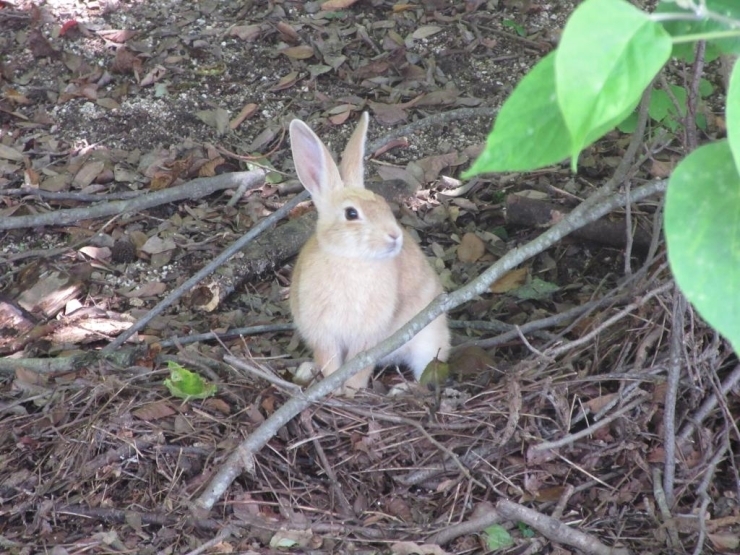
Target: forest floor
x=553, y=419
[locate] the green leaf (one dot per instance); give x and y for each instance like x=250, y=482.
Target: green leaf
x=682, y=28
x=702, y=227
x=497, y=537
x=529, y=131
x=705, y=88
x=514, y=25
x=537, y=289
x=609, y=53
x=185, y=384
x=733, y=114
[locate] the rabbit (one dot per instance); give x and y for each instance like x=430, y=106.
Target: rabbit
x=360, y=277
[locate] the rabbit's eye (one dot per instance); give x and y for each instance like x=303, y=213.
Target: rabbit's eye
x=351, y=214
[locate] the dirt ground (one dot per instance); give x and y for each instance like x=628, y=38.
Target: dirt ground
x=556, y=398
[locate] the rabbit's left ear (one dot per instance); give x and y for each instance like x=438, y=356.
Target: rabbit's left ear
x=352, y=166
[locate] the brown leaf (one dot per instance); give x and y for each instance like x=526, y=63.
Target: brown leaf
x=432, y=165
x=87, y=174
x=245, y=32
x=331, y=5
x=471, y=248
x=125, y=62
x=388, y=114
x=287, y=32
x=209, y=168
x=150, y=289
x=40, y=46
x=426, y=31
x=15, y=96
x=161, y=180
x=117, y=35
x=510, y=281
x=301, y=52
x=285, y=82
x=246, y=112
x=154, y=411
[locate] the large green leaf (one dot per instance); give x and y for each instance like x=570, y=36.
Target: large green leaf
x=609, y=53
x=529, y=131
x=680, y=28
x=733, y=114
x=702, y=227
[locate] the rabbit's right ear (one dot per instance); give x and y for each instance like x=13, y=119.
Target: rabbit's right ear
x=313, y=163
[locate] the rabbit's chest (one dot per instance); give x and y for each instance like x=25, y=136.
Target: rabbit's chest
x=364, y=296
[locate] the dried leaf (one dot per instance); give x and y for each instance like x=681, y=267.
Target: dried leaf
x=246, y=112
x=388, y=114
x=331, y=5
x=287, y=32
x=154, y=411
x=471, y=248
x=301, y=52
x=117, y=35
x=15, y=96
x=154, y=75
x=426, y=31
x=245, y=32
x=156, y=245
x=39, y=45
x=285, y=82
x=510, y=281
x=88, y=173
x=151, y=289
x=9, y=153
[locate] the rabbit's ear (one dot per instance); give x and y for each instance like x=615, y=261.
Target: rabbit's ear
x=314, y=165
x=352, y=166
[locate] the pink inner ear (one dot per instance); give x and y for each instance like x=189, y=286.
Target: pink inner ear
x=309, y=158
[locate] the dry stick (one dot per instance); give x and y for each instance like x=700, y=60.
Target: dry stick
x=692, y=102
x=702, y=491
x=572, y=438
x=436, y=119
x=76, y=196
x=230, y=334
x=671, y=395
x=549, y=527
x=665, y=511
x=709, y=405
x=618, y=316
x=243, y=456
x=191, y=190
x=235, y=247
x=543, y=323
x=344, y=504
x=414, y=424
x=555, y=530
x=222, y=535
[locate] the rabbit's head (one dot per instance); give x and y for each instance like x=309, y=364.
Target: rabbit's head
x=353, y=222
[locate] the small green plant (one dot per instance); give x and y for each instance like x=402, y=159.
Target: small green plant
x=497, y=537
x=577, y=93
x=518, y=29
x=187, y=385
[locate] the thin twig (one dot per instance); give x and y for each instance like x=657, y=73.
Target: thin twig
x=572, y=438
x=194, y=189
x=671, y=395
x=212, y=266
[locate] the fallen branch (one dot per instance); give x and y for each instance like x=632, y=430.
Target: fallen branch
x=234, y=248
x=194, y=189
x=243, y=457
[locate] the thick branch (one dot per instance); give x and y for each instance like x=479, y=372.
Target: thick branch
x=191, y=190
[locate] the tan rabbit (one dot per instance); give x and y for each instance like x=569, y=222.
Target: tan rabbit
x=360, y=276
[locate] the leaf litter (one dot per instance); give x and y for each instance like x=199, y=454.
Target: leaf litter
x=100, y=103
